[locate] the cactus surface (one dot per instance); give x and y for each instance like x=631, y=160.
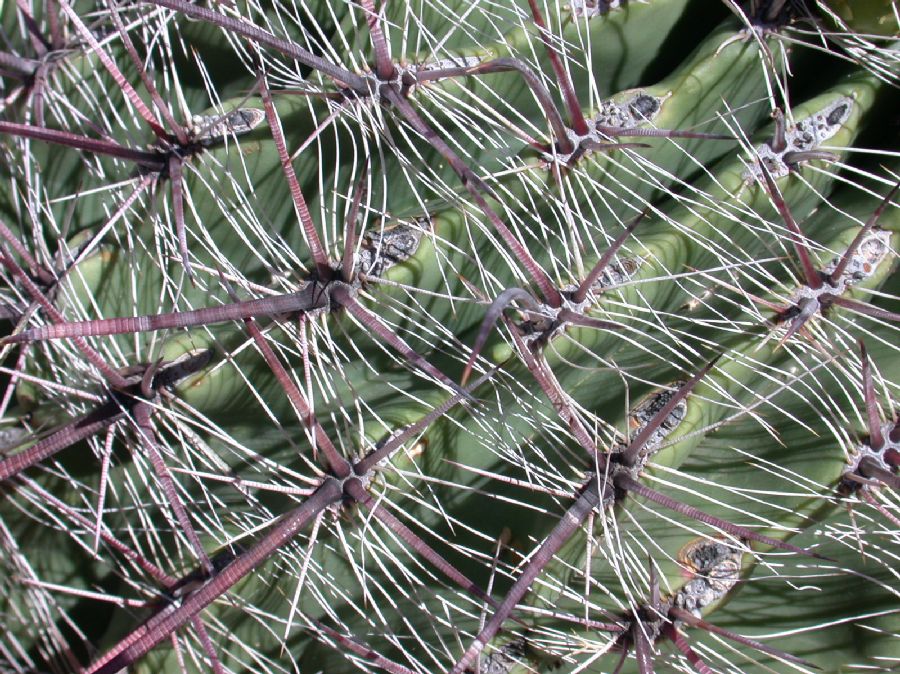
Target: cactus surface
x=449, y=336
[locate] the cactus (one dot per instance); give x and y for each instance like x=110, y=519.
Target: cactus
x=449, y=337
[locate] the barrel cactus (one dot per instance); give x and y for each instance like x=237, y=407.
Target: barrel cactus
x=449, y=336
